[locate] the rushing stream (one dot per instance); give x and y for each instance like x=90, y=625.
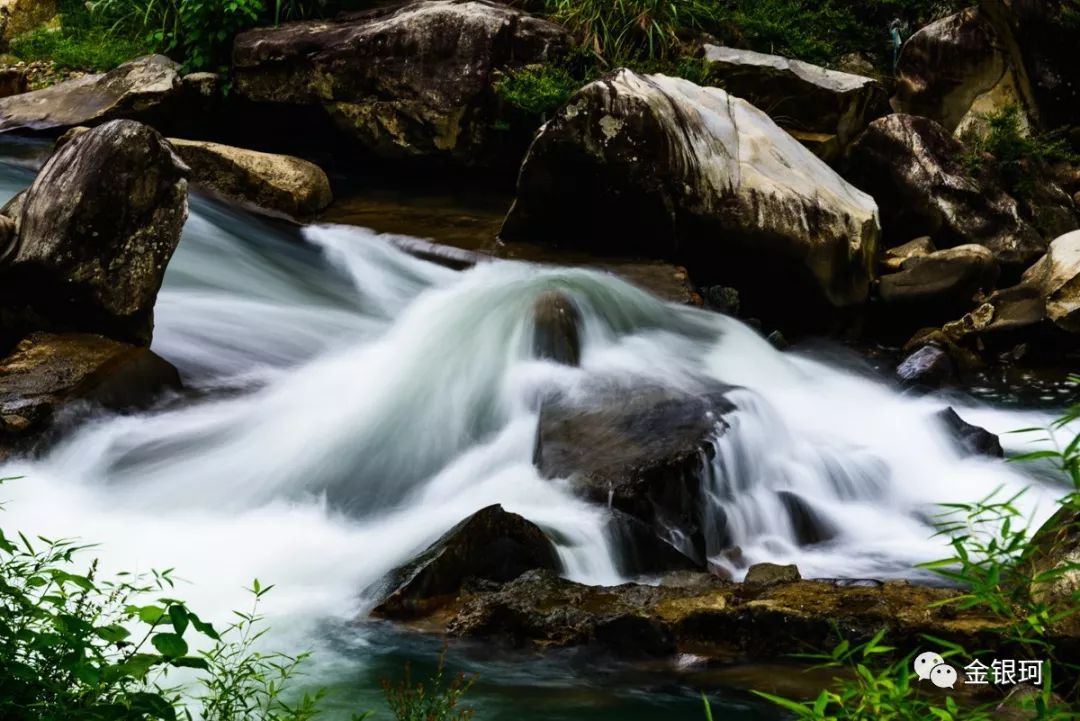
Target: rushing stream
x=347, y=403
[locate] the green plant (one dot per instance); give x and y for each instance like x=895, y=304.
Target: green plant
x=436, y=700
x=1002, y=143
x=622, y=31
x=536, y=90
x=76, y=647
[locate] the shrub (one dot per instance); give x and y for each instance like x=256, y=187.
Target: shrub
x=74, y=647
x=537, y=89
x=436, y=700
x=1001, y=143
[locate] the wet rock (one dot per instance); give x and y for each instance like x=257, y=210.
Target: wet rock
x=930, y=366
x=955, y=69
x=661, y=167
x=639, y=450
x=96, y=230
x=489, y=545
x=777, y=340
x=809, y=525
x=766, y=573
x=20, y=16
x=972, y=440
x=13, y=81
x=710, y=618
x=940, y=285
x=557, y=329
x=47, y=373
x=279, y=183
x=640, y=552
x=405, y=81
x=147, y=89
x=722, y=299
x=1054, y=562
x=797, y=95
x=914, y=168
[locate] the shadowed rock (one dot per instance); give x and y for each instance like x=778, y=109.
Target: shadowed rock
x=147, y=89
x=639, y=551
x=490, y=545
x=47, y=373
x=928, y=367
x=940, y=285
x=95, y=232
x=407, y=81
x=914, y=169
x=662, y=167
x=972, y=440
x=809, y=525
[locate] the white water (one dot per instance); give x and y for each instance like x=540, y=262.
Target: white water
x=358, y=402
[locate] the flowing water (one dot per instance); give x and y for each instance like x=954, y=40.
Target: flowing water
x=348, y=403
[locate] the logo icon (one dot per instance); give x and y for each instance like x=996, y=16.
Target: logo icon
x=943, y=676
x=925, y=663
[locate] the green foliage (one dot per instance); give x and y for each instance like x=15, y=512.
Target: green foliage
x=436, y=700
x=991, y=562
x=1002, y=143
x=622, y=31
x=74, y=647
x=537, y=89
x=80, y=48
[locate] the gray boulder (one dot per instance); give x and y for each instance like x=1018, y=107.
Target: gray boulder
x=941, y=284
x=658, y=166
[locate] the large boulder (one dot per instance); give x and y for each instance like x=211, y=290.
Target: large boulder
x=47, y=373
x=658, y=166
x=802, y=98
x=279, y=183
x=149, y=89
x=490, y=545
x=915, y=170
x=641, y=451
x=414, y=80
x=20, y=16
x=956, y=69
x=95, y=233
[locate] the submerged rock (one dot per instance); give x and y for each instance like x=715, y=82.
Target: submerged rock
x=406, y=81
x=95, y=233
x=557, y=329
x=914, y=168
x=798, y=96
x=490, y=545
x=641, y=451
x=278, y=183
x=47, y=373
x=972, y=440
x=955, y=69
x=147, y=89
x=662, y=167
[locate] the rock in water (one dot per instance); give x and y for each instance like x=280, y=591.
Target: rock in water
x=973, y=440
x=96, y=230
x=557, y=329
x=489, y=545
x=641, y=451
x=279, y=183
x=413, y=80
x=927, y=367
x=801, y=97
x=147, y=89
x=639, y=551
x=955, y=69
x=662, y=167
x=47, y=373
x=915, y=170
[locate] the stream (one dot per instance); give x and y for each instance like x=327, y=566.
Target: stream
x=347, y=403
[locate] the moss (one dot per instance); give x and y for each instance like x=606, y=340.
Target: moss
x=77, y=49
x=537, y=89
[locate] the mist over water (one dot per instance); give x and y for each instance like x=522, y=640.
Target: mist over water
x=349, y=403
